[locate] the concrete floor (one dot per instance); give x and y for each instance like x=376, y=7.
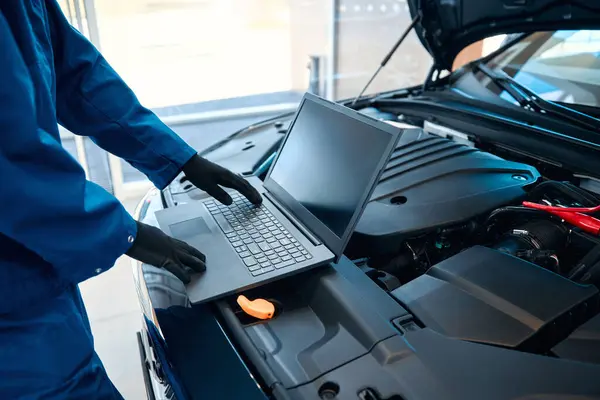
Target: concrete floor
x=115, y=316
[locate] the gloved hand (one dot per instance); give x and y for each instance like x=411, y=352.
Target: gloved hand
x=209, y=176
x=152, y=246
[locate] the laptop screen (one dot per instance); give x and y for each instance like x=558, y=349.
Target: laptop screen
x=330, y=161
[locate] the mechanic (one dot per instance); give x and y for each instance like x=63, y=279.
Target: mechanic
x=58, y=229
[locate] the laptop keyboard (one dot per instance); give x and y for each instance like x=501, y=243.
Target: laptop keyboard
x=259, y=238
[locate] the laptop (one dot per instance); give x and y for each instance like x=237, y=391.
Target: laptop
x=313, y=195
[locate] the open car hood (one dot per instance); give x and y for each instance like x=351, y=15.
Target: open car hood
x=448, y=26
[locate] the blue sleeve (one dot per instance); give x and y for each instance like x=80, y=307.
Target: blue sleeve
x=92, y=100
x=46, y=204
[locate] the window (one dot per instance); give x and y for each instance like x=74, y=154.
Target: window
x=561, y=66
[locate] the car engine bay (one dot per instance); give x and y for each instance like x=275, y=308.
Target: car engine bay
x=447, y=239
x=447, y=235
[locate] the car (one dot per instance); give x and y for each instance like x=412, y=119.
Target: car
x=473, y=273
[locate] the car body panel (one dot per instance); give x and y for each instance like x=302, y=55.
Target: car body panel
x=337, y=309
x=447, y=27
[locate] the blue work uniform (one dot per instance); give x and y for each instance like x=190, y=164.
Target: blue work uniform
x=56, y=228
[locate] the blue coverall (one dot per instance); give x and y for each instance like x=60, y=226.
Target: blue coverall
x=56, y=228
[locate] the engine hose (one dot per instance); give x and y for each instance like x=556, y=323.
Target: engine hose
x=518, y=210
x=534, y=235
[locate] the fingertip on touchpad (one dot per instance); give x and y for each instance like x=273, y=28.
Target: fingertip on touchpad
x=189, y=228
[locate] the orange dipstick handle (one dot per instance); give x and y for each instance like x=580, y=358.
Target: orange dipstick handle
x=258, y=308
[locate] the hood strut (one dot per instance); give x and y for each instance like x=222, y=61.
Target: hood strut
x=388, y=56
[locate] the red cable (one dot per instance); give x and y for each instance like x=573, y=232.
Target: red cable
x=572, y=215
x=566, y=209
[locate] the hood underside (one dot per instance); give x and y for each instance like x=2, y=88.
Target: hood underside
x=448, y=26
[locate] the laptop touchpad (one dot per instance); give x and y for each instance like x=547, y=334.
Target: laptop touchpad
x=188, y=229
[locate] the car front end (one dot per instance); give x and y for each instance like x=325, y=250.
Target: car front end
x=451, y=287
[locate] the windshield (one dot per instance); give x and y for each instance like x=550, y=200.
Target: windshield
x=561, y=66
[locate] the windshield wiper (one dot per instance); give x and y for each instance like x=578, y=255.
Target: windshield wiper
x=529, y=100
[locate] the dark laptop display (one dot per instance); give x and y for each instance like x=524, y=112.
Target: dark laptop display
x=327, y=163
x=328, y=166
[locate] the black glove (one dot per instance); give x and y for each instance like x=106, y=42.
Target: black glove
x=152, y=246
x=208, y=176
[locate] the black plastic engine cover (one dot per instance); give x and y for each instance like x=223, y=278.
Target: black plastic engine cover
x=485, y=296
x=583, y=344
x=431, y=182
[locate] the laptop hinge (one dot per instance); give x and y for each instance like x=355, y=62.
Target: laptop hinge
x=293, y=220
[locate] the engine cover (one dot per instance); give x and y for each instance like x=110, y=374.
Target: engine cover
x=431, y=182
x=583, y=344
x=485, y=296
